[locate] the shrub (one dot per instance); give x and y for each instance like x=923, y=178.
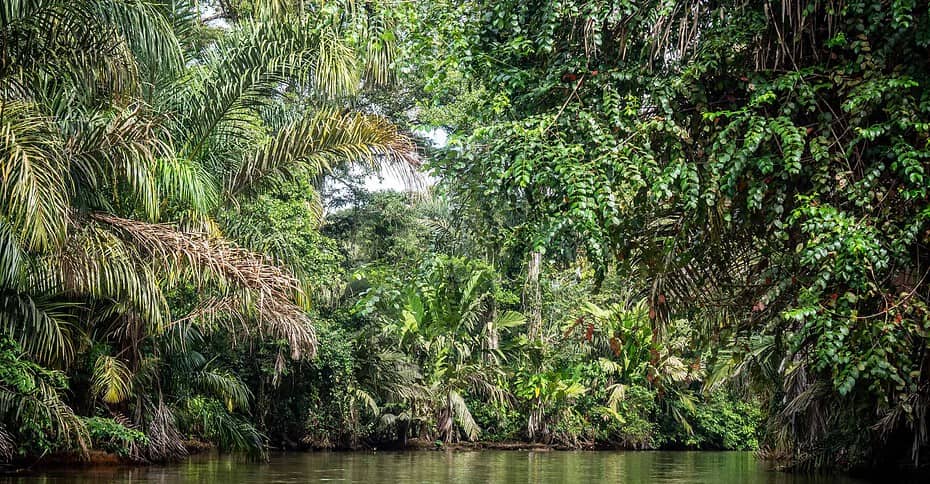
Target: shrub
x=114, y=437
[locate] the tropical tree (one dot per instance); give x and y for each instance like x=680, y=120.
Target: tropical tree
x=124, y=140
x=628, y=351
x=451, y=322
x=550, y=394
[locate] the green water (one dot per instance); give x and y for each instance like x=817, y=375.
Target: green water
x=483, y=467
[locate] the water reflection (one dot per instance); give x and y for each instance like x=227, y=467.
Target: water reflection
x=449, y=467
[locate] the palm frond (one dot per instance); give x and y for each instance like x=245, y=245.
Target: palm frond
x=208, y=418
x=380, y=49
x=224, y=385
x=187, y=183
x=111, y=380
x=31, y=396
x=145, y=30
x=335, y=72
x=12, y=258
x=367, y=399
x=43, y=327
x=33, y=192
x=243, y=75
x=463, y=416
x=318, y=142
x=510, y=319
x=82, y=42
x=125, y=148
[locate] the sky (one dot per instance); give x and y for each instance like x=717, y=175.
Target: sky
x=390, y=181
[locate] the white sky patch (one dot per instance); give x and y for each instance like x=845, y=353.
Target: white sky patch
x=391, y=181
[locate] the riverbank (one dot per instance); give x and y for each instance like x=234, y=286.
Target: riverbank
x=100, y=458
x=415, y=444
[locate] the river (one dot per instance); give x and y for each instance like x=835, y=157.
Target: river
x=484, y=467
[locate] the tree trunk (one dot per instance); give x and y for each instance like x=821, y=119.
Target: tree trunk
x=532, y=296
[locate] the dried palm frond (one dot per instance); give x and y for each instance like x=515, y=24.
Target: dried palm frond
x=7, y=445
x=165, y=441
x=215, y=256
x=267, y=290
x=241, y=314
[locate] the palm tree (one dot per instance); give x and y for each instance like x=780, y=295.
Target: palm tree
x=121, y=144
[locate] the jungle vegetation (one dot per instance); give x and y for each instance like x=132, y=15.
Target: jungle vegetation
x=654, y=224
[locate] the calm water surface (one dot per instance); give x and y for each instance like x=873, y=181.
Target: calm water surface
x=454, y=467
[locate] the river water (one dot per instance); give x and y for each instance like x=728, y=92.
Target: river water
x=480, y=467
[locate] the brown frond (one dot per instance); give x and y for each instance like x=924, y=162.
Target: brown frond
x=202, y=252
x=267, y=291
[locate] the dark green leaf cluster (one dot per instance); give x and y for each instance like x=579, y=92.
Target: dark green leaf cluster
x=762, y=163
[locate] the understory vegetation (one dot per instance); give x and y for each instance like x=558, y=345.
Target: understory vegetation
x=617, y=224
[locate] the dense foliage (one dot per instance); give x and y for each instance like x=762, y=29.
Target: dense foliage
x=148, y=160
x=655, y=224
x=757, y=167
